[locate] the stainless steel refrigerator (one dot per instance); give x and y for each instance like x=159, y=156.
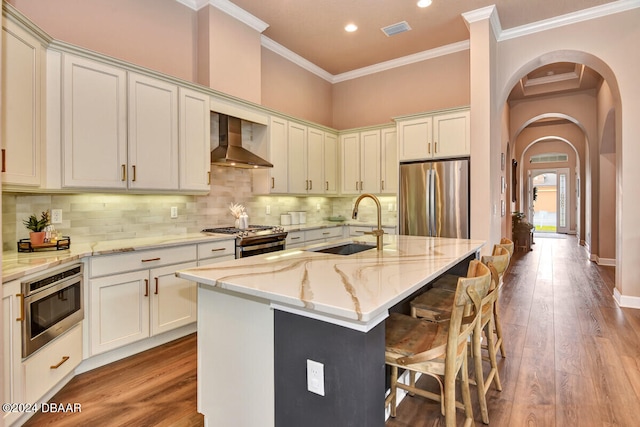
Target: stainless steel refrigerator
x=434, y=198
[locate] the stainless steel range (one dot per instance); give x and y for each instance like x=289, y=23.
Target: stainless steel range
x=255, y=240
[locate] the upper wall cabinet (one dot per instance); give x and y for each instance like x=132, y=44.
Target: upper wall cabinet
x=330, y=163
x=22, y=87
x=434, y=135
x=194, y=138
x=369, y=162
x=304, y=160
x=153, y=134
x=128, y=131
x=94, y=142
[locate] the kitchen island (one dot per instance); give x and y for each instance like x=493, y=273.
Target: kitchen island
x=261, y=318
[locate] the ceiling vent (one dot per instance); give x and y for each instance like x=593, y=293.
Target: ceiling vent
x=392, y=30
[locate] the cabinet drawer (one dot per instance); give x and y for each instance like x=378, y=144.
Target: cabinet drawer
x=323, y=233
x=216, y=249
x=138, y=260
x=52, y=363
x=210, y=261
x=294, y=237
x=358, y=230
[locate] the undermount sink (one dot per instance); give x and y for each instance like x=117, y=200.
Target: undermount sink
x=345, y=248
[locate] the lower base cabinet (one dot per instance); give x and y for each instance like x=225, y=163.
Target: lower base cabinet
x=12, y=349
x=47, y=367
x=128, y=307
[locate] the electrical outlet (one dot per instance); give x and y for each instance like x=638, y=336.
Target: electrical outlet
x=174, y=212
x=390, y=207
x=318, y=207
x=56, y=216
x=315, y=377
x=268, y=209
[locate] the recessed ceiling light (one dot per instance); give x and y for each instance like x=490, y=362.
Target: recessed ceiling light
x=350, y=28
x=424, y=3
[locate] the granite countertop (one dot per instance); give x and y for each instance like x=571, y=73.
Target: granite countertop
x=354, y=291
x=19, y=264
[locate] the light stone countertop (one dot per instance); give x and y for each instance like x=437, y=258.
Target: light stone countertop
x=19, y=264
x=354, y=291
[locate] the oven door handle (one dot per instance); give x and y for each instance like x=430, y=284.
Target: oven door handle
x=261, y=246
x=21, y=318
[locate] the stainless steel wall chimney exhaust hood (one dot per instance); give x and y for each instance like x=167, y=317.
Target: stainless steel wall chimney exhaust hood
x=230, y=152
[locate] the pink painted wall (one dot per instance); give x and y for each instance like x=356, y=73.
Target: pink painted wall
x=232, y=61
x=288, y=88
x=157, y=34
x=442, y=82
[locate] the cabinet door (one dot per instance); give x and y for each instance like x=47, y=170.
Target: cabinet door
x=153, y=134
x=370, y=162
x=94, y=124
x=298, y=182
x=278, y=155
x=330, y=164
x=315, y=161
x=118, y=310
x=350, y=163
x=195, y=145
x=173, y=300
x=415, y=139
x=451, y=134
x=21, y=90
x=12, y=348
x=389, y=162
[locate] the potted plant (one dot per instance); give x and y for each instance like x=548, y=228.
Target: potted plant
x=37, y=227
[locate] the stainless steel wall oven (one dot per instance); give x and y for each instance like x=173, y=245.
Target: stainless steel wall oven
x=52, y=304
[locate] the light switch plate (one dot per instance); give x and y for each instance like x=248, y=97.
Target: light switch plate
x=174, y=212
x=315, y=377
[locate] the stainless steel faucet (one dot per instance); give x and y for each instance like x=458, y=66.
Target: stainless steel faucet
x=379, y=232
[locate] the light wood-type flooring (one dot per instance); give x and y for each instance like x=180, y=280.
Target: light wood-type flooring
x=573, y=359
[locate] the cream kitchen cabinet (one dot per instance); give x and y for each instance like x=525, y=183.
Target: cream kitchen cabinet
x=306, y=159
x=322, y=234
x=275, y=179
x=130, y=131
x=434, y=135
x=12, y=348
x=294, y=239
x=194, y=139
x=94, y=104
x=360, y=162
x=153, y=134
x=21, y=127
x=330, y=163
x=218, y=251
x=388, y=161
x=359, y=230
x=136, y=295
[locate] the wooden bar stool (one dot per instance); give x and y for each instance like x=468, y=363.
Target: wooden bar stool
x=500, y=263
x=433, y=305
x=439, y=349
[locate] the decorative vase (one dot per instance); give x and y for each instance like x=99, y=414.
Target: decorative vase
x=36, y=237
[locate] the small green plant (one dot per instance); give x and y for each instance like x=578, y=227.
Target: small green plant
x=34, y=224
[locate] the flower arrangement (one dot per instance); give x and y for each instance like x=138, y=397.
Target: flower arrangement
x=236, y=210
x=36, y=225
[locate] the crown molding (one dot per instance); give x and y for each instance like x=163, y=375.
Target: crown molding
x=230, y=9
x=405, y=60
x=569, y=18
x=295, y=58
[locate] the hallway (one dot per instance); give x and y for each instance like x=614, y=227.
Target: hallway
x=573, y=356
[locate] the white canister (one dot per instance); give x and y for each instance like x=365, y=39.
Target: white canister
x=303, y=217
x=285, y=219
x=295, y=217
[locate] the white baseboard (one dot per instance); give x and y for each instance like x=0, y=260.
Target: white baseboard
x=626, y=301
x=606, y=261
x=134, y=348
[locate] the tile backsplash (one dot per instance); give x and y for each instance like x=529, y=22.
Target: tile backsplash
x=98, y=216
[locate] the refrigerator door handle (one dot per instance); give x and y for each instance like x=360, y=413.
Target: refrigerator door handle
x=432, y=201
